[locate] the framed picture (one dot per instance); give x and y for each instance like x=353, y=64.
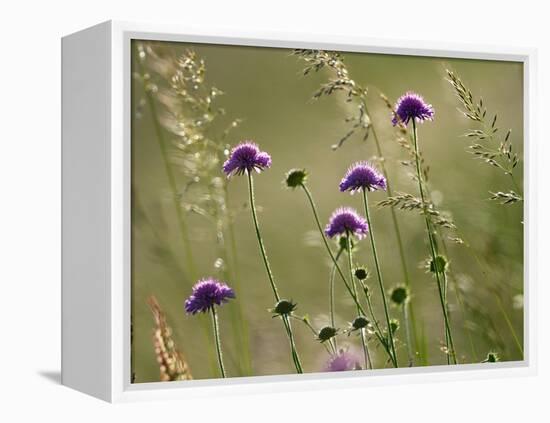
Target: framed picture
x=250, y=212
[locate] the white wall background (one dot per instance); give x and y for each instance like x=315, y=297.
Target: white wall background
x=30, y=206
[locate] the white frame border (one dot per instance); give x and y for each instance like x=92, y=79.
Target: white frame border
x=121, y=389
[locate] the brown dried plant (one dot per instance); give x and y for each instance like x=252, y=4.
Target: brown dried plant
x=171, y=361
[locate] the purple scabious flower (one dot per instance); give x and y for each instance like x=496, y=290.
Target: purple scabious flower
x=362, y=175
x=344, y=220
x=412, y=106
x=341, y=362
x=206, y=294
x=245, y=157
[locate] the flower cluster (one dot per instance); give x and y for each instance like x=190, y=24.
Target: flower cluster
x=362, y=175
x=346, y=220
x=411, y=106
x=343, y=361
x=246, y=157
x=206, y=294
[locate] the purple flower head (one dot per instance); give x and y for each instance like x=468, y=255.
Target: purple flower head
x=345, y=220
x=343, y=361
x=245, y=157
x=412, y=106
x=206, y=294
x=362, y=175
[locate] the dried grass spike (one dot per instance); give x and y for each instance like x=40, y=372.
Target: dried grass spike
x=171, y=361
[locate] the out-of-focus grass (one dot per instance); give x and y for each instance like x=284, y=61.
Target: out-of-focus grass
x=265, y=87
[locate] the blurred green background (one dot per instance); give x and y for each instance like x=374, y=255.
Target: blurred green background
x=266, y=89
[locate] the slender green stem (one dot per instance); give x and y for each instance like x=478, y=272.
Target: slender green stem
x=354, y=285
x=410, y=350
x=448, y=334
x=460, y=301
x=239, y=324
x=216, y=327
x=286, y=322
x=396, y=228
x=331, y=297
x=379, y=274
x=340, y=272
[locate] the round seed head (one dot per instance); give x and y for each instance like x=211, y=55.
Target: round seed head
x=284, y=307
x=360, y=322
x=326, y=333
x=361, y=273
x=492, y=357
x=399, y=295
x=295, y=178
x=439, y=266
x=394, y=325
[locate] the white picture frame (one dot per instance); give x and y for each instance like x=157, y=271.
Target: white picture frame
x=96, y=213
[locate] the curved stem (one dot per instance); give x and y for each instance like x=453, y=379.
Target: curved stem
x=448, y=334
x=379, y=274
x=286, y=322
x=339, y=269
x=354, y=285
x=217, y=339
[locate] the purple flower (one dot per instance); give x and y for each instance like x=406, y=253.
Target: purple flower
x=345, y=220
x=362, y=175
x=206, y=294
x=246, y=157
x=412, y=106
x=343, y=361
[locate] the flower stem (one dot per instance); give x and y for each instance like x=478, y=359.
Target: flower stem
x=408, y=333
x=216, y=327
x=286, y=322
x=354, y=286
x=339, y=269
x=331, y=297
x=440, y=285
x=379, y=274
x=396, y=228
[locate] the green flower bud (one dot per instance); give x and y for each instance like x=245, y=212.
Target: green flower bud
x=440, y=264
x=492, y=357
x=359, y=322
x=326, y=333
x=399, y=295
x=394, y=325
x=284, y=307
x=361, y=273
x=343, y=243
x=295, y=177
